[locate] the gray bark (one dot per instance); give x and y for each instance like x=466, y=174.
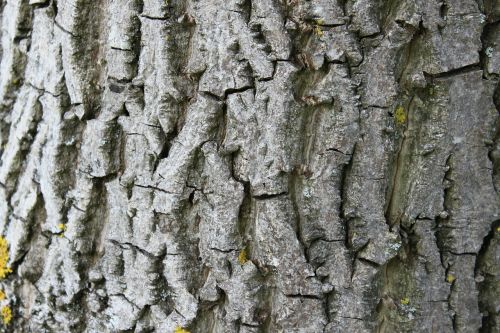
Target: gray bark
x=250, y=165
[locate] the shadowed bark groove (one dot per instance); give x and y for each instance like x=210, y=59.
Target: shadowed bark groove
x=250, y=166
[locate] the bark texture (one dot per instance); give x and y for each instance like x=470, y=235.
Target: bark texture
x=250, y=165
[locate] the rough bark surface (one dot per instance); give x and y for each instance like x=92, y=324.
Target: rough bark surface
x=250, y=165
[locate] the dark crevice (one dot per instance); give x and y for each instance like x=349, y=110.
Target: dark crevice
x=395, y=180
x=267, y=196
x=484, y=269
x=154, y=18
x=454, y=72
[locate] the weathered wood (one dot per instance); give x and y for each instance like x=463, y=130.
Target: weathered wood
x=250, y=165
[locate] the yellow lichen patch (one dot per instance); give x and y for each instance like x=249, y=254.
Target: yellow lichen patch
x=2, y=295
x=6, y=314
x=450, y=278
x=319, y=21
x=4, y=258
x=400, y=115
x=317, y=31
x=242, y=257
x=179, y=329
x=62, y=228
x=405, y=301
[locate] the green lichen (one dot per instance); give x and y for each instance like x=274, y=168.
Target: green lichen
x=179, y=329
x=6, y=313
x=317, y=31
x=400, y=115
x=242, y=257
x=319, y=21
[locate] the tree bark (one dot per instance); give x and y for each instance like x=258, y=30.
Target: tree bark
x=250, y=165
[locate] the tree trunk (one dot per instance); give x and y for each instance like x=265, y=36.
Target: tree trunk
x=250, y=166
